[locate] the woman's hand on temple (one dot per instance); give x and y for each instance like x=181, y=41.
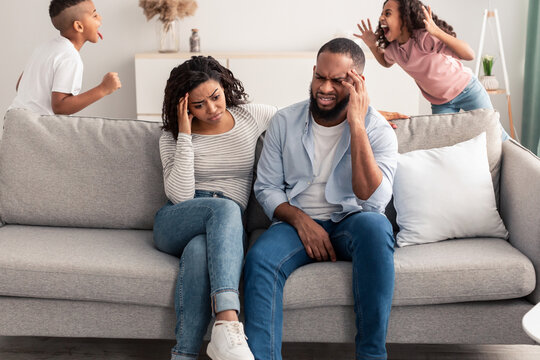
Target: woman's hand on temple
x=184, y=117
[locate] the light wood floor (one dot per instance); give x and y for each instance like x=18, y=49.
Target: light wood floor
x=42, y=348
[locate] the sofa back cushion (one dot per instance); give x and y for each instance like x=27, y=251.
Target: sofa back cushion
x=435, y=131
x=79, y=171
x=255, y=216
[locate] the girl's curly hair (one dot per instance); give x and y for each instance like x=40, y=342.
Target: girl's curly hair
x=412, y=17
x=190, y=74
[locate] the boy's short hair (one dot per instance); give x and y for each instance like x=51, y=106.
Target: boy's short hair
x=56, y=7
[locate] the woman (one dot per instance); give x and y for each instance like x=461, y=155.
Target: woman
x=207, y=150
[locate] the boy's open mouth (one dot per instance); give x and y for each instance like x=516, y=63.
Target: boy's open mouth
x=385, y=29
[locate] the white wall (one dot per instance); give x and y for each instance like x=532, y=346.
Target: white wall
x=243, y=25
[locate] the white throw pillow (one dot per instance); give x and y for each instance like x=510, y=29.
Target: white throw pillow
x=446, y=193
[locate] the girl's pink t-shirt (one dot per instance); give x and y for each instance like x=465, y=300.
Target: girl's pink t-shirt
x=435, y=67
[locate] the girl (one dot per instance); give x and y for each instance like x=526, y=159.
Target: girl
x=426, y=47
x=207, y=150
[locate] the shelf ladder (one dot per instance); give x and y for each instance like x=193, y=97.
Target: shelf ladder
x=494, y=14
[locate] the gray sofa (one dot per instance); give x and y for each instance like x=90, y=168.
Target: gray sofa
x=77, y=200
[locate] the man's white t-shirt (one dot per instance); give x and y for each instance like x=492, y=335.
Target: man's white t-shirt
x=313, y=200
x=54, y=66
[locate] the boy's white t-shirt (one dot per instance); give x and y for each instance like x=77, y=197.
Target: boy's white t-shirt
x=54, y=66
x=313, y=200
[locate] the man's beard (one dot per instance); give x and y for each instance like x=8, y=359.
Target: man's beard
x=326, y=115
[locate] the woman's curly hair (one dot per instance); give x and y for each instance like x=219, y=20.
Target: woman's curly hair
x=190, y=74
x=412, y=17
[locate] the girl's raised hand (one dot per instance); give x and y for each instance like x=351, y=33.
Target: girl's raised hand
x=184, y=117
x=431, y=27
x=367, y=34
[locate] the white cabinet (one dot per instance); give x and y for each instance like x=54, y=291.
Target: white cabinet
x=150, y=78
x=277, y=79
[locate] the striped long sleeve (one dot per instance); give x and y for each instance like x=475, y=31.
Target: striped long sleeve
x=221, y=162
x=178, y=166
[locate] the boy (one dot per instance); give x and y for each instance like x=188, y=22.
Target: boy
x=51, y=81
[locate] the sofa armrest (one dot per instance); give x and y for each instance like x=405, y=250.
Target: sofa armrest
x=520, y=203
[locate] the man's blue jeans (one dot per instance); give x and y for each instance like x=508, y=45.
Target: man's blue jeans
x=207, y=234
x=365, y=238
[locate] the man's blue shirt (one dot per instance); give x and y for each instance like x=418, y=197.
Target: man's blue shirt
x=285, y=168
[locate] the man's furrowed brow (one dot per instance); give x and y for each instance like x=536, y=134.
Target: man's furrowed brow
x=339, y=78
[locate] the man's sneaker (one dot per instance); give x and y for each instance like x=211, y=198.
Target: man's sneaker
x=228, y=342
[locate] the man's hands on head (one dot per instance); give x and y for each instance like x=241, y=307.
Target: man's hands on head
x=358, y=99
x=366, y=174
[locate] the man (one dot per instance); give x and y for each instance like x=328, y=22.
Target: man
x=325, y=177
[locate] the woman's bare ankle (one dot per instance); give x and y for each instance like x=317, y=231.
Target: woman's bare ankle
x=227, y=315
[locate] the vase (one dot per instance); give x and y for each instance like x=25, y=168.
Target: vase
x=490, y=82
x=168, y=36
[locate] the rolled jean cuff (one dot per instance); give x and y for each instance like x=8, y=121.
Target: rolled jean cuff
x=225, y=299
x=177, y=356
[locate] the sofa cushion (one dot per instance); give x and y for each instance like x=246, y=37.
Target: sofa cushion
x=79, y=171
x=446, y=193
x=119, y=266
x=123, y=266
x=445, y=272
x=435, y=131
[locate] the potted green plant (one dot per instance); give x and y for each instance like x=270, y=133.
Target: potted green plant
x=489, y=80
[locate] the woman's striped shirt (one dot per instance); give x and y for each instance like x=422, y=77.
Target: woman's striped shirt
x=222, y=162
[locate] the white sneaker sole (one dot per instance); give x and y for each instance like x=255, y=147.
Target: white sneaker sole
x=212, y=353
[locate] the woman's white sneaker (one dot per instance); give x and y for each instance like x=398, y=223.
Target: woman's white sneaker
x=228, y=342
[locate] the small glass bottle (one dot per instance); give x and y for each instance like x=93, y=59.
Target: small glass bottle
x=194, y=41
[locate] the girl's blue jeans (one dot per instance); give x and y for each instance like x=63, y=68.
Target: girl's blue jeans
x=473, y=97
x=206, y=233
x=366, y=239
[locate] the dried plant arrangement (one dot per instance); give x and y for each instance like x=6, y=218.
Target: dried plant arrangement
x=168, y=10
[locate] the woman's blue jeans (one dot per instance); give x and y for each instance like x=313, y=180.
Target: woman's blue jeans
x=366, y=239
x=473, y=97
x=207, y=234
